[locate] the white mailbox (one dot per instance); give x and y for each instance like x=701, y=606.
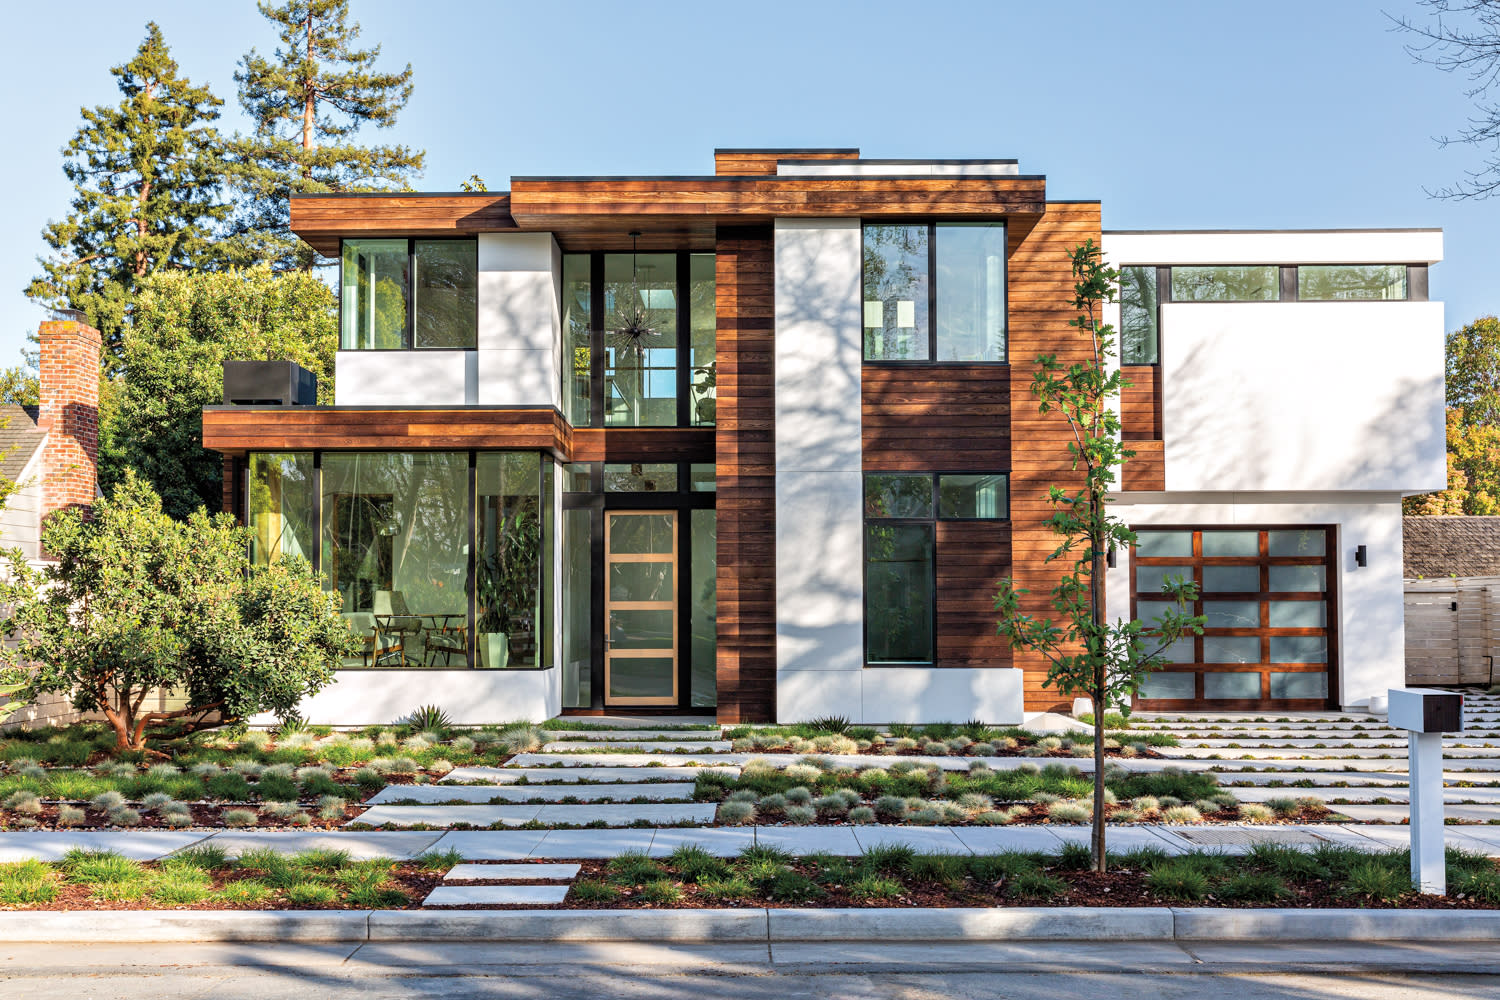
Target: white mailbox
x=1426, y=710
x=1426, y=714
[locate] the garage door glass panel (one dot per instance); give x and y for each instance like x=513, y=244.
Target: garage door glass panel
x=1219, y=544
x=1306, y=684
x=1308, y=543
x=1231, y=649
x=1231, y=614
x=1231, y=579
x=1169, y=685
x=1181, y=651
x=1150, y=579
x=1299, y=614
x=1298, y=579
x=1163, y=544
x=1299, y=649
x=1226, y=685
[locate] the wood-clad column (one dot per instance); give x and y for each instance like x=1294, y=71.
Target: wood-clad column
x=1041, y=290
x=745, y=447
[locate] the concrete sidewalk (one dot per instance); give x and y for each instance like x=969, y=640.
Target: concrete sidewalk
x=515, y=845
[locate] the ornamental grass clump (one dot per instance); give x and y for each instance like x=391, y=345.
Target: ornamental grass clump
x=861, y=815
x=70, y=816
x=1177, y=880
x=1254, y=812
x=800, y=815
x=124, y=816
x=23, y=801
x=1181, y=814
x=798, y=796
x=736, y=813
x=238, y=817
x=831, y=805
x=331, y=807
x=890, y=807
x=1068, y=812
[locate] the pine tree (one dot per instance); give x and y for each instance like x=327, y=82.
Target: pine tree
x=307, y=102
x=146, y=175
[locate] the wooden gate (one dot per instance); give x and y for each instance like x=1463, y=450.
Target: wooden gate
x=1452, y=630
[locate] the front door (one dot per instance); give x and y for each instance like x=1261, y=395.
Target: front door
x=640, y=607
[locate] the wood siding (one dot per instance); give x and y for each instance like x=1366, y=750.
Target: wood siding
x=1040, y=290
x=1140, y=403
x=1147, y=469
x=234, y=430
x=746, y=502
x=323, y=219
x=746, y=162
x=949, y=418
x=1448, y=645
x=644, y=444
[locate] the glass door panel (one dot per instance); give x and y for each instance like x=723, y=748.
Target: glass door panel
x=640, y=608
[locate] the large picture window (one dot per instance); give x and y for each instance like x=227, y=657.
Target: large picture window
x=640, y=339
x=409, y=295
x=934, y=292
x=901, y=512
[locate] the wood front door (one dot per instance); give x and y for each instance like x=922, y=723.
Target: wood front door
x=640, y=607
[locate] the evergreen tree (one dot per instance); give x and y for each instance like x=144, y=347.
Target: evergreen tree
x=307, y=102
x=146, y=176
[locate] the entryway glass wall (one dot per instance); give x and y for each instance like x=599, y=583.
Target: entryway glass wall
x=638, y=563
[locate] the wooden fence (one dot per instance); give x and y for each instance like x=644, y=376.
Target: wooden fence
x=1452, y=630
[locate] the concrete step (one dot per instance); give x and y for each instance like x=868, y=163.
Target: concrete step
x=665, y=814
x=519, y=873
x=644, y=746
x=496, y=895
x=600, y=735
x=572, y=775
x=495, y=794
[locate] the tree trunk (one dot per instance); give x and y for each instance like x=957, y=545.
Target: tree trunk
x=1101, y=688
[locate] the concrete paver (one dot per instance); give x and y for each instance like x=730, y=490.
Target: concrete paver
x=513, y=872
x=495, y=794
x=496, y=895
x=139, y=845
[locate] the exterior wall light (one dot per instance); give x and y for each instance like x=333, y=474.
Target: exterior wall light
x=1359, y=556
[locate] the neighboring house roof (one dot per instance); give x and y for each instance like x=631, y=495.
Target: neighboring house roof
x=20, y=439
x=1450, y=545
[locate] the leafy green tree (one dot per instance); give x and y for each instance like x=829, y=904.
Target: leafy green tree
x=1088, y=654
x=1472, y=370
x=20, y=386
x=138, y=601
x=184, y=327
x=308, y=101
x=1472, y=376
x=146, y=176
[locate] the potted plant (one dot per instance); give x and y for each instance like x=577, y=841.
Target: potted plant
x=505, y=581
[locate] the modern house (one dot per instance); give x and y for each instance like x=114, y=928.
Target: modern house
x=763, y=442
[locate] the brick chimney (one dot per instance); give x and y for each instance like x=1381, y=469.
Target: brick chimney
x=69, y=413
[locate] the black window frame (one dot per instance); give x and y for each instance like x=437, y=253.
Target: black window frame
x=408, y=332
x=931, y=520
x=932, y=293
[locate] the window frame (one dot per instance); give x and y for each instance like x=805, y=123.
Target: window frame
x=932, y=360
x=408, y=332
x=933, y=519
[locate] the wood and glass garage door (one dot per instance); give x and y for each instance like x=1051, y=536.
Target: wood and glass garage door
x=1267, y=595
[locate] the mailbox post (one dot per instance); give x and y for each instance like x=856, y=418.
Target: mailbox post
x=1426, y=714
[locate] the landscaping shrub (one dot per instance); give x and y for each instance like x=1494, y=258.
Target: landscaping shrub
x=736, y=813
x=1035, y=885
x=1255, y=887
x=1175, y=880
x=172, y=604
x=1254, y=812
x=589, y=891
x=1374, y=881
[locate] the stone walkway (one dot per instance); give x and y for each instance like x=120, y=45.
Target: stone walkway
x=641, y=798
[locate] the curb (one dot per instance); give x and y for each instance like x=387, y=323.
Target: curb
x=758, y=925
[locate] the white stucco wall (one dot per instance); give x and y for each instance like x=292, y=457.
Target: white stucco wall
x=1303, y=396
x=1372, y=645
x=470, y=697
x=1300, y=246
x=405, y=378
x=819, y=526
x=520, y=320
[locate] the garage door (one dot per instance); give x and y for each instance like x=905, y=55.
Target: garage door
x=1268, y=596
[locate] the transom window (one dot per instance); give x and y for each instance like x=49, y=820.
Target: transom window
x=934, y=292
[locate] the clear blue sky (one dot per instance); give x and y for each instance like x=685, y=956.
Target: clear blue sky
x=1274, y=114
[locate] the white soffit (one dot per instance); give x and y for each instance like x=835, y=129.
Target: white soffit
x=1327, y=246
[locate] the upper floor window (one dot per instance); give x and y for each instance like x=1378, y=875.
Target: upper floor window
x=640, y=340
x=400, y=294
x=1351, y=281
x=1143, y=289
x=934, y=292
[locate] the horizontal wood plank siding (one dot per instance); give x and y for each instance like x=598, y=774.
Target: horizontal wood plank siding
x=972, y=556
x=236, y=429
x=644, y=444
x=1140, y=403
x=1147, y=469
x=322, y=220
x=1041, y=290
x=746, y=500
